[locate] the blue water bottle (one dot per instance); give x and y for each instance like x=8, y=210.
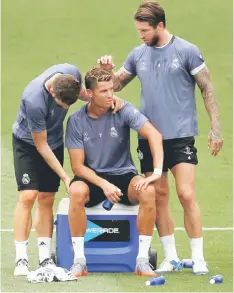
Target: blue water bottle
x=156, y=281
x=218, y=279
x=187, y=263
x=107, y=205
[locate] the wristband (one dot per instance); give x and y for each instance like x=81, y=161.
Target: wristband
x=158, y=171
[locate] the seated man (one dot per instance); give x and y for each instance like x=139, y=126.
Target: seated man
x=99, y=148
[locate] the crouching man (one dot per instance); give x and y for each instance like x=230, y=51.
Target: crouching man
x=99, y=148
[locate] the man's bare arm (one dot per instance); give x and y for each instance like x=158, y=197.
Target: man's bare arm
x=41, y=144
x=121, y=79
x=203, y=81
x=77, y=159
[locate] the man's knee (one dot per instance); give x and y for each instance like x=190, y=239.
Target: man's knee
x=78, y=194
x=162, y=189
x=28, y=197
x=186, y=194
x=45, y=199
x=147, y=196
x=162, y=196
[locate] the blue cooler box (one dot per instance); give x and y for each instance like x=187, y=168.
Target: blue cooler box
x=111, y=238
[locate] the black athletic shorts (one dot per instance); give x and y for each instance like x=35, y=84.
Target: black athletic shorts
x=31, y=171
x=178, y=150
x=97, y=196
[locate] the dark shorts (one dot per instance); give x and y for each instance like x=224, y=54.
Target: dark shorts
x=97, y=196
x=31, y=171
x=178, y=150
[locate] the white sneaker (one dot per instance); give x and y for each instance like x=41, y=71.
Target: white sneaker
x=21, y=268
x=169, y=266
x=200, y=267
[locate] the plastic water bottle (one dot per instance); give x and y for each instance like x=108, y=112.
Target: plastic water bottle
x=156, y=281
x=218, y=279
x=107, y=205
x=187, y=263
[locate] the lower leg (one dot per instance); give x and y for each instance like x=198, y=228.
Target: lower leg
x=44, y=224
x=23, y=222
x=193, y=226
x=145, y=222
x=77, y=220
x=185, y=176
x=192, y=217
x=164, y=220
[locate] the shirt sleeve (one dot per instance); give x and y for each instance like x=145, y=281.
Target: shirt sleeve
x=77, y=74
x=130, y=64
x=73, y=137
x=132, y=117
x=36, y=117
x=195, y=61
x=73, y=70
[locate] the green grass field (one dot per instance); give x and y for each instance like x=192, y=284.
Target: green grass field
x=37, y=34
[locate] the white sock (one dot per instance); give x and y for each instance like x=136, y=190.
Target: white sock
x=197, y=248
x=144, y=246
x=169, y=247
x=78, y=247
x=21, y=248
x=44, y=248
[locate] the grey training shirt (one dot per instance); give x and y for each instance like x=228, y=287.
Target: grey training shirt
x=105, y=140
x=167, y=85
x=38, y=111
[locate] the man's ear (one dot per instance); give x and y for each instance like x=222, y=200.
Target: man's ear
x=51, y=91
x=90, y=93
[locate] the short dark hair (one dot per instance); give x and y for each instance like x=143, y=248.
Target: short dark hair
x=66, y=88
x=150, y=12
x=97, y=74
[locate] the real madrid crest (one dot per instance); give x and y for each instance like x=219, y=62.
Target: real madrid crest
x=175, y=63
x=140, y=155
x=113, y=132
x=25, y=178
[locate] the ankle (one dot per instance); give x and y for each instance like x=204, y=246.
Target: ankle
x=44, y=248
x=21, y=248
x=197, y=248
x=144, y=246
x=78, y=247
x=169, y=247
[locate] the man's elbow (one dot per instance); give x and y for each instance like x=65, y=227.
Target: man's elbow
x=159, y=136
x=154, y=134
x=41, y=147
x=77, y=170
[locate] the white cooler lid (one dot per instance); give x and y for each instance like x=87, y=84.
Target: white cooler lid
x=118, y=209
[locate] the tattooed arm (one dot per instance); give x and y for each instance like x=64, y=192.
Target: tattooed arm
x=121, y=79
x=203, y=80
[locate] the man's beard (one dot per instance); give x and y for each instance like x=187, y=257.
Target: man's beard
x=154, y=42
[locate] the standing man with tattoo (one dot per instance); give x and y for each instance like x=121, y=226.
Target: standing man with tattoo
x=169, y=68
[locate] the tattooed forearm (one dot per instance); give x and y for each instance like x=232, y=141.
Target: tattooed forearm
x=121, y=79
x=207, y=90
